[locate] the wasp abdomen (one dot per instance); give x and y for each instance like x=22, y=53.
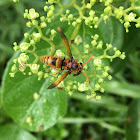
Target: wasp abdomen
x=52, y=61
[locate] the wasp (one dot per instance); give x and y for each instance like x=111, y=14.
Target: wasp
x=71, y=65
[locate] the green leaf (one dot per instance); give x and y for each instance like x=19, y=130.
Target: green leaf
x=112, y=32
x=122, y=89
x=17, y=93
x=133, y=121
x=13, y=132
x=18, y=101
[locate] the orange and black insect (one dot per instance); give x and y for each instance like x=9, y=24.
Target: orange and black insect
x=69, y=65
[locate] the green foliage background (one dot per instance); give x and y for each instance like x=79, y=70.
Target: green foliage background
x=115, y=117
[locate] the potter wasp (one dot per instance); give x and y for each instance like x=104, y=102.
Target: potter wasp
x=71, y=65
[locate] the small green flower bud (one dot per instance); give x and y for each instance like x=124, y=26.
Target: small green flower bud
x=15, y=1
x=107, y=2
x=101, y=80
x=53, y=32
x=40, y=75
x=23, y=58
x=67, y=88
x=118, y=13
x=37, y=37
x=117, y=53
x=29, y=73
x=126, y=25
x=107, y=9
x=26, y=35
x=86, y=46
x=78, y=39
x=43, y=19
x=95, y=20
x=109, y=77
x=91, y=13
x=32, y=42
x=70, y=93
x=97, y=86
x=36, y=96
x=95, y=37
x=29, y=24
x=74, y=24
x=67, y=11
x=61, y=85
x=32, y=14
x=46, y=8
x=122, y=56
x=105, y=17
x=99, y=46
x=52, y=79
x=59, y=53
x=22, y=67
x=97, y=62
x=93, y=94
x=82, y=87
x=16, y=48
x=109, y=46
x=88, y=97
x=70, y=82
x=15, y=60
x=50, y=13
x=88, y=6
x=62, y=19
x=46, y=75
x=74, y=87
x=50, y=1
x=105, y=74
x=24, y=46
x=25, y=15
x=78, y=20
x=87, y=22
x=98, y=98
x=102, y=90
x=115, y=49
x=70, y=17
x=98, y=68
x=51, y=7
x=29, y=121
x=34, y=68
x=12, y=74
x=93, y=42
x=92, y=2
x=90, y=19
x=35, y=22
x=43, y=25
x=14, y=68
x=107, y=68
x=54, y=72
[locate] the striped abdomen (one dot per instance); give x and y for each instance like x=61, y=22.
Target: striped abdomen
x=52, y=61
x=73, y=66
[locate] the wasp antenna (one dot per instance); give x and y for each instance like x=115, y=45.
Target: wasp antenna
x=88, y=59
x=59, y=29
x=86, y=76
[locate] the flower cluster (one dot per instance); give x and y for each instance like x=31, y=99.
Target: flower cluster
x=65, y=14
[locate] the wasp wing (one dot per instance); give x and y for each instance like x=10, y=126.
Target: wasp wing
x=57, y=82
x=66, y=43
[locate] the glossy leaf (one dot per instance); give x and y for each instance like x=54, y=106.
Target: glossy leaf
x=13, y=132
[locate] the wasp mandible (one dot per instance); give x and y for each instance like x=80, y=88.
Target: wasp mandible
x=71, y=65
